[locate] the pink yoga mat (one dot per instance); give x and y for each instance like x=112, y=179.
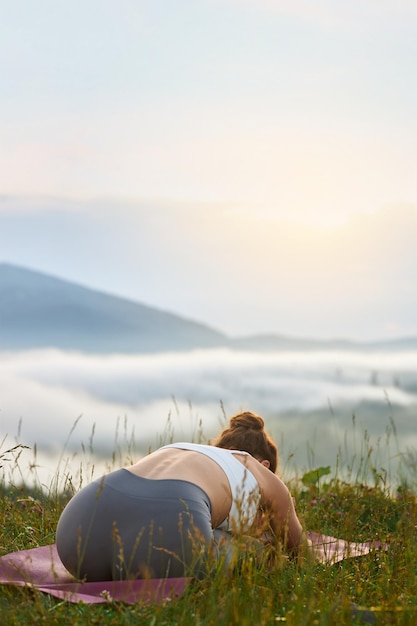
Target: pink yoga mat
x=41, y=569
x=332, y=550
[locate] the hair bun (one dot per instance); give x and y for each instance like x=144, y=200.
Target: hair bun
x=247, y=420
x=246, y=432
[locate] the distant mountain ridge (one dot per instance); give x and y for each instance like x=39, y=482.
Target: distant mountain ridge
x=38, y=311
x=41, y=311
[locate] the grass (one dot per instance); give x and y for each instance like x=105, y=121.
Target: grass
x=367, y=505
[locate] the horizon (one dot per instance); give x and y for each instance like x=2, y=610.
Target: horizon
x=241, y=273
x=53, y=276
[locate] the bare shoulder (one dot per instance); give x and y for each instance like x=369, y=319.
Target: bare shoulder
x=270, y=485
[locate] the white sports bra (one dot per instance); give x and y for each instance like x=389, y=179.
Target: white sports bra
x=243, y=484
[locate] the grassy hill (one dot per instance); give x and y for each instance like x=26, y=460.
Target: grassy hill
x=263, y=587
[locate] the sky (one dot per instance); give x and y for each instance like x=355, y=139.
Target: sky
x=250, y=164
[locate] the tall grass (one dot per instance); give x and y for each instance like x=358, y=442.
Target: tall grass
x=357, y=498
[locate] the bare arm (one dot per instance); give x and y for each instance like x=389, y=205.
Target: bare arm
x=283, y=519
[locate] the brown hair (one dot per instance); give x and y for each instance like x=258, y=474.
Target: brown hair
x=246, y=432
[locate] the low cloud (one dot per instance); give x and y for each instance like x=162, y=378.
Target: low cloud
x=137, y=402
x=294, y=380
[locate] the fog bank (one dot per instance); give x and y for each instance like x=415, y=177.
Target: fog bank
x=316, y=404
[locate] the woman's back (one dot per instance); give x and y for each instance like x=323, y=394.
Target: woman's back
x=177, y=463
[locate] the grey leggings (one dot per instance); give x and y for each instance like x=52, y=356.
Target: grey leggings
x=123, y=526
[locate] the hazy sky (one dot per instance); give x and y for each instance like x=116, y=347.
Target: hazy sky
x=247, y=163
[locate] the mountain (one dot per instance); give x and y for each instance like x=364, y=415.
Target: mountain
x=279, y=343
x=39, y=311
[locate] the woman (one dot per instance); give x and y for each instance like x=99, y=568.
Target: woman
x=159, y=517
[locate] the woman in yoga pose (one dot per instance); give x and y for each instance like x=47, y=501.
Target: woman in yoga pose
x=164, y=515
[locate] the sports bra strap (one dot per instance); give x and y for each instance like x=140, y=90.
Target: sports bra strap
x=243, y=484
